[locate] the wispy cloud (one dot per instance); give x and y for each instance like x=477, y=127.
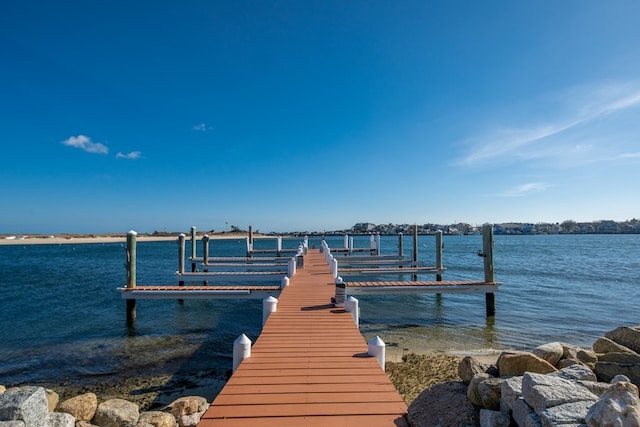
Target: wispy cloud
x=629, y=156
x=580, y=107
x=83, y=142
x=524, y=189
x=130, y=156
x=202, y=127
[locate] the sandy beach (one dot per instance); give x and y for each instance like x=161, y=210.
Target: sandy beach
x=62, y=239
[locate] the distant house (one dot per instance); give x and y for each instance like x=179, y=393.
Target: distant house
x=364, y=227
x=607, y=227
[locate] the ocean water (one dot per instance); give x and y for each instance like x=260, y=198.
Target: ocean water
x=61, y=318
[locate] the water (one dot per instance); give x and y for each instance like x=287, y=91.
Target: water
x=62, y=318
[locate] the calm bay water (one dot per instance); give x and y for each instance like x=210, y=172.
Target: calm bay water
x=62, y=318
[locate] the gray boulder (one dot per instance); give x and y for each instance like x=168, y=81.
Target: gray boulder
x=511, y=391
x=565, y=363
x=469, y=367
x=575, y=372
x=59, y=419
x=625, y=336
x=524, y=415
x=28, y=404
x=490, y=391
x=618, y=407
x=116, y=413
x=545, y=391
x=473, y=394
x=606, y=371
x=12, y=423
x=596, y=387
x=489, y=418
x=567, y=413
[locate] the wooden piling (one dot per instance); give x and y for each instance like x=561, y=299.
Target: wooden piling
x=205, y=254
x=439, y=247
x=193, y=249
x=181, y=252
x=487, y=252
x=250, y=251
x=131, y=275
x=400, y=245
x=415, y=249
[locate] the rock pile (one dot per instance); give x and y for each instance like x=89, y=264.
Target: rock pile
x=558, y=384
x=32, y=406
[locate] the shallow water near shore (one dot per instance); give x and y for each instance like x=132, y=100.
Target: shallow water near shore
x=64, y=321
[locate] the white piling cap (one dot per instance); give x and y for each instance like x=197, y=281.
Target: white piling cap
x=132, y=233
x=339, y=280
x=376, y=342
x=242, y=339
x=270, y=299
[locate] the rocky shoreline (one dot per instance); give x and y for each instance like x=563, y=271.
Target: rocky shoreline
x=555, y=384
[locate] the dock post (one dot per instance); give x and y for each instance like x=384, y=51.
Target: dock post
x=250, y=242
x=291, y=265
x=333, y=267
x=439, y=254
x=269, y=305
x=279, y=245
x=205, y=249
x=378, y=244
x=181, y=251
x=401, y=245
x=193, y=248
x=285, y=282
x=352, y=306
x=241, y=350
x=350, y=245
x=415, y=249
x=372, y=243
x=346, y=241
x=205, y=254
x=131, y=275
x=487, y=251
x=377, y=348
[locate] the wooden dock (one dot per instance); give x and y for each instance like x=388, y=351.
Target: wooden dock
x=309, y=367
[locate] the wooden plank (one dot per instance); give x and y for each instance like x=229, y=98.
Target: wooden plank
x=298, y=398
x=295, y=410
x=310, y=421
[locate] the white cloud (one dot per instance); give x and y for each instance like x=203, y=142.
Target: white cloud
x=629, y=156
x=524, y=189
x=83, y=142
x=131, y=156
x=202, y=127
x=579, y=108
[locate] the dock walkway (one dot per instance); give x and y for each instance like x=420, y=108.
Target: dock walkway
x=309, y=367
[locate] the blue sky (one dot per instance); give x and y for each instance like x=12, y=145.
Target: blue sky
x=315, y=115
